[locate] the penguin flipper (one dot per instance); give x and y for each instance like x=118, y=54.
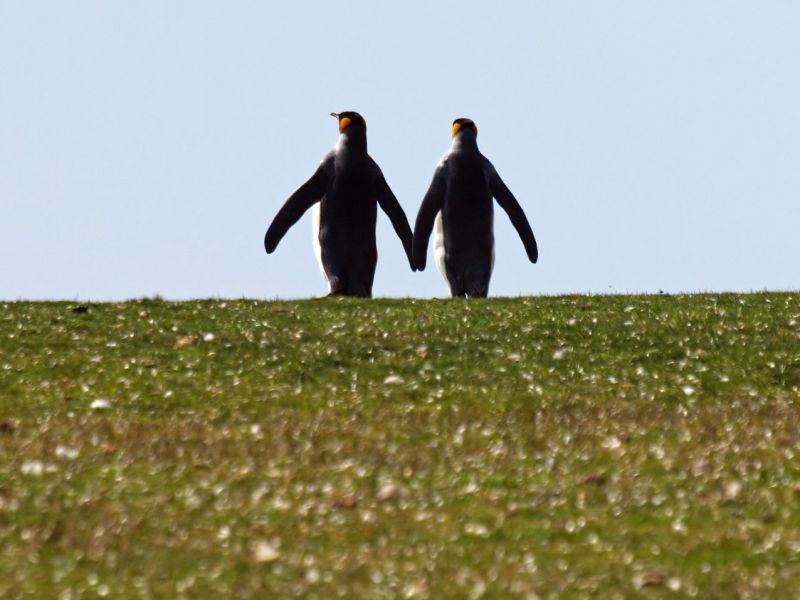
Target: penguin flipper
x=431, y=205
x=389, y=204
x=509, y=204
x=299, y=202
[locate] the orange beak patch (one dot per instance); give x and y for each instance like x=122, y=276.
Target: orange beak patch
x=343, y=123
x=456, y=128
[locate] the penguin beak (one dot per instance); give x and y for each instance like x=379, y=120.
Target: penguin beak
x=335, y=115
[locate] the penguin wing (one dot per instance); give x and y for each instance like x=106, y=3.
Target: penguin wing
x=431, y=205
x=306, y=196
x=389, y=204
x=509, y=204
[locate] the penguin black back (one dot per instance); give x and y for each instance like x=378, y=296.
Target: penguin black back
x=345, y=191
x=459, y=204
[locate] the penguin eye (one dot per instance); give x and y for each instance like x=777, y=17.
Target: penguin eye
x=456, y=127
x=343, y=123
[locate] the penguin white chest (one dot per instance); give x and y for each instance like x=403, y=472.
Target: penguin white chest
x=316, y=213
x=438, y=246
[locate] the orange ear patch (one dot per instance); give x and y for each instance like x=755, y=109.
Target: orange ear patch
x=343, y=123
x=456, y=128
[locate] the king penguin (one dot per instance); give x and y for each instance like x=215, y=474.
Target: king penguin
x=459, y=204
x=345, y=191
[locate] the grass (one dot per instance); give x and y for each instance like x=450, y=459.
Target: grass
x=531, y=447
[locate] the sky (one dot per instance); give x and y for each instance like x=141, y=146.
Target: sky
x=146, y=146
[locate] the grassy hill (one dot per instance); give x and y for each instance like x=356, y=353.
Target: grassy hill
x=532, y=447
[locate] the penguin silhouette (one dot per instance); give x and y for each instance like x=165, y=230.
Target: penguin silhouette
x=459, y=204
x=345, y=191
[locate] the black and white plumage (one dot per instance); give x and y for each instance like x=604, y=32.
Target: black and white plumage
x=459, y=204
x=345, y=190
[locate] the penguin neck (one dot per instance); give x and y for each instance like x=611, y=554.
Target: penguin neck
x=465, y=140
x=353, y=138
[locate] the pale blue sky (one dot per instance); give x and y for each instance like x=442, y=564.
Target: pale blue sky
x=145, y=146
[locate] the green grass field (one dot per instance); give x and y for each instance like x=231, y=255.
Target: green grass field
x=534, y=447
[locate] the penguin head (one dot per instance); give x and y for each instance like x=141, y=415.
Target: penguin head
x=349, y=118
x=464, y=124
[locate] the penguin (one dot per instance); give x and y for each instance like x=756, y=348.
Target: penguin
x=345, y=190
x=459, y=205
